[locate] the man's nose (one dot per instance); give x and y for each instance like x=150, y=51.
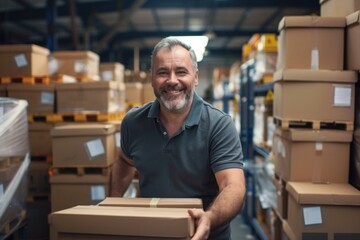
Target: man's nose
x=172, y=78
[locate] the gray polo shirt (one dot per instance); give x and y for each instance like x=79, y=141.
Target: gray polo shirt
x=183, y=165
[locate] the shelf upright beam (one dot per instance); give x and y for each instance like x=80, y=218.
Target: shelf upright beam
x=51, y=13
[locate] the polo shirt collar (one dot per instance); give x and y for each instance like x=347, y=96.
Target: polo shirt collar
x=192, y=119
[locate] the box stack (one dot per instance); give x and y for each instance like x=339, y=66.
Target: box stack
x=120, y=218
x=314, y=107
x=14, y=164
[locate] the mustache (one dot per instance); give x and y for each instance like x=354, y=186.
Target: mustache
x=171, y=88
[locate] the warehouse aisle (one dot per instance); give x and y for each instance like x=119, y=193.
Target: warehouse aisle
x=239, y=230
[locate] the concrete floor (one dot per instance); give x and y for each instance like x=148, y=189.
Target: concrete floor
x=240, y=231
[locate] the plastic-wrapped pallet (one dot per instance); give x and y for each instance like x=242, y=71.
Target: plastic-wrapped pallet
x=14, y=163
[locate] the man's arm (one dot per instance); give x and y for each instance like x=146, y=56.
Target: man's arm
x=122, y=175
x=226, y=205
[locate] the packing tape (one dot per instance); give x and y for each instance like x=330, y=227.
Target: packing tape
x=154, y=202
x=315, y=51
x=317, y=164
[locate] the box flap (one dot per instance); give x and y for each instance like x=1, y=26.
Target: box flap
x=24, y=48
x=153, y=202
x=138, y=221
x=324, y=194
x=309, y=135
x=311, y=21
x=315, y=75
x=353, y=18
x=31, y=87
x=107, y=85
x=85, y=129
x=75, y=55
x=75, y=179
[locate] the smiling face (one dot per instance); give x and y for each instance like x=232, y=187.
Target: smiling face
x=174, y=78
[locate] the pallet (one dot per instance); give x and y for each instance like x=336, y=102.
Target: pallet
x=80, y=170
x=33, y=197
x=76, y=117
x=61, y=78
x=314, y=124
x=9, y=161
x=25, y=80
x=47, y=159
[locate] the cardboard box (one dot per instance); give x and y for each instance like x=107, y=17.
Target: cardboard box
x=357, y=104
x=263, y=110
x=320, y=156
x=352, y=60
x=148, y=91
x=39, y=177
x=153, y=202
x=314, y=95
x=281, y=197
x=354, y=178
x=134, y=93
x=3, y=91
x=40, y=139
x=112, y=72
x=40, y=97
x=79, y=97
x=338, y=8
x=23, y=60
x=86, y=145
x=310, y=42
x=322, y=211
x=95, y=222
x=69, y=190
x=79, y=64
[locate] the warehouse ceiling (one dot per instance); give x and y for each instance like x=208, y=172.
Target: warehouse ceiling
x=116, y=29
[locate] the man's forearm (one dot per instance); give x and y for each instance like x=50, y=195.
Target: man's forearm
x=122, y=175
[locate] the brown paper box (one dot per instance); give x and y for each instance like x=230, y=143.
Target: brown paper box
x=314, y=95
x=40, y=97
x=312, y=156
x=134, y=93
x=3, y=92
x=69, y=190
x=352, y=41
x=125, y=223
x=112, y=72
x=23, y=60
x=83, y=145
x=354, y=178
x=338, y=8
x=322, y=211
x=103, y=97
x=40, y=139
x=148, y=93
x=281, y=197
x=77, y=64
x=39, y=177
x=153, y=202
x=310, y=42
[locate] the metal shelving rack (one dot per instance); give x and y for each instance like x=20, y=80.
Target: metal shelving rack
x=248, y=91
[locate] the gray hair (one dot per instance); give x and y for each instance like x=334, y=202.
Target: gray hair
x=169, y=43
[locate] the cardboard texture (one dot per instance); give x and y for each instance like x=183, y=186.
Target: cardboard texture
x=134, y=93
x=3, y=91
x=112, y=72
x=281, y=197
x=40, y=97
x=314, y=95
x=39, y=177
x=69, y=190
x=95, y=222
x=79, y=97
x=338, y=8
x=311, y=42
x=23, y=60
x=86, y=145
x=79, y=64
x=149, y=95
x=153, y=202
x=354, y=178
x=320, y=156
x=40, y=139
x=322, y=211
x=352, y=41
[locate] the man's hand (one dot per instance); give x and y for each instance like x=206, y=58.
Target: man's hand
x=202, y=223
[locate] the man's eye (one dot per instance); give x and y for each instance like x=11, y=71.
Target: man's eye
x=162, y=73
x=181, y=73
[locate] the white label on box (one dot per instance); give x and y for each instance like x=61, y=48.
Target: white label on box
x=342, y=96
x=47, y=98
x=281, y=149
x=107, y=75
x=80, y=66
x=20, y=60
x=315, y=59
x=53, y=65
x=318, y=146
x=95, y=148
x=97, y=192
x=118, y=139
x=1, y=190
x=312, y=215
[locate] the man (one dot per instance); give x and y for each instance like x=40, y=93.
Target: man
x=181, y=146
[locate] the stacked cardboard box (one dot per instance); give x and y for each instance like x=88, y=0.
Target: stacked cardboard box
x=82, y=158
x=314, y=107
x=112, y=72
